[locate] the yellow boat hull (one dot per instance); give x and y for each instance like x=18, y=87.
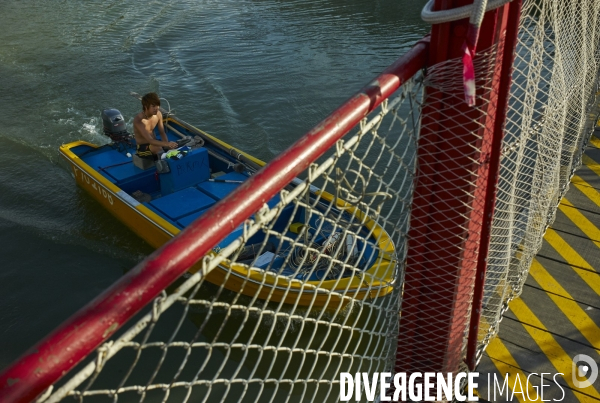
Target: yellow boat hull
x=377, y=281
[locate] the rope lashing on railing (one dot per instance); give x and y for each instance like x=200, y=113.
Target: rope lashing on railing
x=475, y=12
x=455, y=14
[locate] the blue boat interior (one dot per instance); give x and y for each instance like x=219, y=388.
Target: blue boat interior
x=204, y=176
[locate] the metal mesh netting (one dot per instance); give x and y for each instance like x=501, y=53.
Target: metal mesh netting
x=319, y=270
x=447, y=216
x=550, y=118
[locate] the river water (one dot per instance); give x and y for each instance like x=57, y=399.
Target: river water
x=258, y=74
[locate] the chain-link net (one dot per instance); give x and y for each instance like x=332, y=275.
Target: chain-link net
x=318, y=276
x=447, y=215
x=550, y=118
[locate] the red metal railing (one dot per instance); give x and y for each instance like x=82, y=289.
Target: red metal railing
x=58, y=353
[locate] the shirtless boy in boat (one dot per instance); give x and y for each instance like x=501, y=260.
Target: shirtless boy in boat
x=143, y=128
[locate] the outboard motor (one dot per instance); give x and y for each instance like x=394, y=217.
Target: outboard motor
x=114, y=125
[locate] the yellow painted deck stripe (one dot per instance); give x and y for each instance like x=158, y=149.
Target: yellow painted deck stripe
x=590, y=163
x=550, y=347
x=586, y=189
x=497, y=351
x=574, y=259
x=581, y=221
x=578, y=317
x=506, y=364
x=595, y=141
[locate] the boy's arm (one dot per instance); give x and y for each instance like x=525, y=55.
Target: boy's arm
x=161, y=128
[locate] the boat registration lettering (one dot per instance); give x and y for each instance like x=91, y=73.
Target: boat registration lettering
x=183, y=169
x=85, y=178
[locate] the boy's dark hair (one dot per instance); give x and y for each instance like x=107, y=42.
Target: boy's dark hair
x=150, y=99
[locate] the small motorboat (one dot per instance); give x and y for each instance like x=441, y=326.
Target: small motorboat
x=315, y=261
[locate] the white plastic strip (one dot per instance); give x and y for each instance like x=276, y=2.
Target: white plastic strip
x=127, y=199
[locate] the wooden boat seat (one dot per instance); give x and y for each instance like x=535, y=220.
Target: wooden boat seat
x=219, y=190
x=120, y=170
x=100, y=159
x=182, y=203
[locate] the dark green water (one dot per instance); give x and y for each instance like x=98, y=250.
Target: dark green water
x=258, y=74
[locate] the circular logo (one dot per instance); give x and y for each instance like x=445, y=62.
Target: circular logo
x=584, y=367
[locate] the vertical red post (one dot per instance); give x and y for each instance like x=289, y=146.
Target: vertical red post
x=456, y=144
x=512, y=32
